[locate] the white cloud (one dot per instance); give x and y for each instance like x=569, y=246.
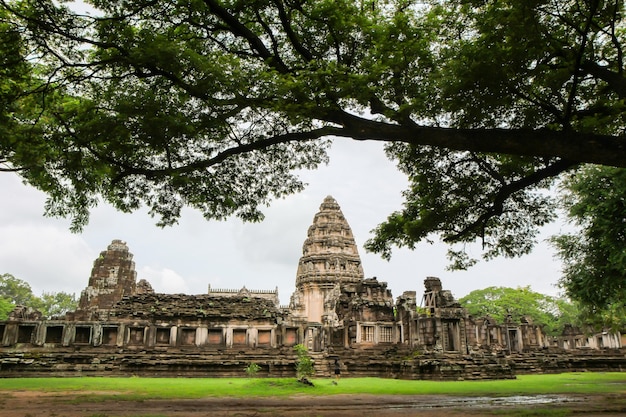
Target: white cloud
x=163, y=280
x=49, y=259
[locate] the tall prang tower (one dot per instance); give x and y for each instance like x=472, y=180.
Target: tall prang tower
x=330, y=259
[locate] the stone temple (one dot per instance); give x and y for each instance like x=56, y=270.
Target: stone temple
x=122, y=327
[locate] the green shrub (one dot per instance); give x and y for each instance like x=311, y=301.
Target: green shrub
x=252, y=369
x=304, y=364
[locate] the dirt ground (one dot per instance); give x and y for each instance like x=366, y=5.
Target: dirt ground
x=40, y=404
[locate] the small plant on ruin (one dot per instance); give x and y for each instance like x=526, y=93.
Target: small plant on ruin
x=304, y=364
x=252, y=369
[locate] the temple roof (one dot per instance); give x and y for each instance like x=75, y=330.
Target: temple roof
x=202, y=306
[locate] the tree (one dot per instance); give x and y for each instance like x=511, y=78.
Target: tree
x=14, y=291
x=214, y=104
x=594, y=257
x=501, y=302
x=55, y=304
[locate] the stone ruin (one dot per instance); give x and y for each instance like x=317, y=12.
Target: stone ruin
x=122, y=327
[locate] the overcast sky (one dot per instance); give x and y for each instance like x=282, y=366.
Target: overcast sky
x=186, y=258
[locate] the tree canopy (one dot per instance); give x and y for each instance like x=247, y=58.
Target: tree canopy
x=500, y=303
x=215, y=104
x=594, y=257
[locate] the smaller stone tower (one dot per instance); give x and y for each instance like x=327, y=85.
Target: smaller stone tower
x=113, y=276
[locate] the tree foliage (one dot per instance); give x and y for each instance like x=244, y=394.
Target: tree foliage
x=55, y=304
x=215, y=104
x=502, y=303
x=5, y=308
x=594, y=257
x=14, y=291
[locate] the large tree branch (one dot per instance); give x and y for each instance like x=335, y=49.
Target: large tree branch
x=496, y=208
x=227, y=153
x=237, y=28
x=615, y=80
x=291, y=35
x=573, y=146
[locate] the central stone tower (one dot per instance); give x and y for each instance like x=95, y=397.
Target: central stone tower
x=330, y=259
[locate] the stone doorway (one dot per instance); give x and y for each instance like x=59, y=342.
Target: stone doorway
x=514, y=342
x=312, y=339
x=451, y=335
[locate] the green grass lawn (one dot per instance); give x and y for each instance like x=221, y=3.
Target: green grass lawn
x=144, y=388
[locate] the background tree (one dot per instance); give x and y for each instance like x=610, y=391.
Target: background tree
x=215, y=104
x=5, y=308
x=594, y=257
x=55, y=304
x=14, y=291
x=551, y=313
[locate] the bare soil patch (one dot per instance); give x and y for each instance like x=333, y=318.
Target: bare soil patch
x=71, y=404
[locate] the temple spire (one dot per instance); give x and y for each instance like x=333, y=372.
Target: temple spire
x=330, y=259
x=329, y=253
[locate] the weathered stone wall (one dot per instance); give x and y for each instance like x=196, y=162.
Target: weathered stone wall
x=145, y=362
x=566, y=360
x=385, y=362
x=175, y=307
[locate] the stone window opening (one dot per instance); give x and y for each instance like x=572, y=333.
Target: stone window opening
x=264, y=338
x=291, y=337
x=162, y=336
x=25, y=333
x=215, y=337
x=54, y=334
x=135, y=336
x=1, y=332
x=239, y=336
x=367, y=334
x=385, y=334
x=109, y=336
x=82, y=335
x=188, y=337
